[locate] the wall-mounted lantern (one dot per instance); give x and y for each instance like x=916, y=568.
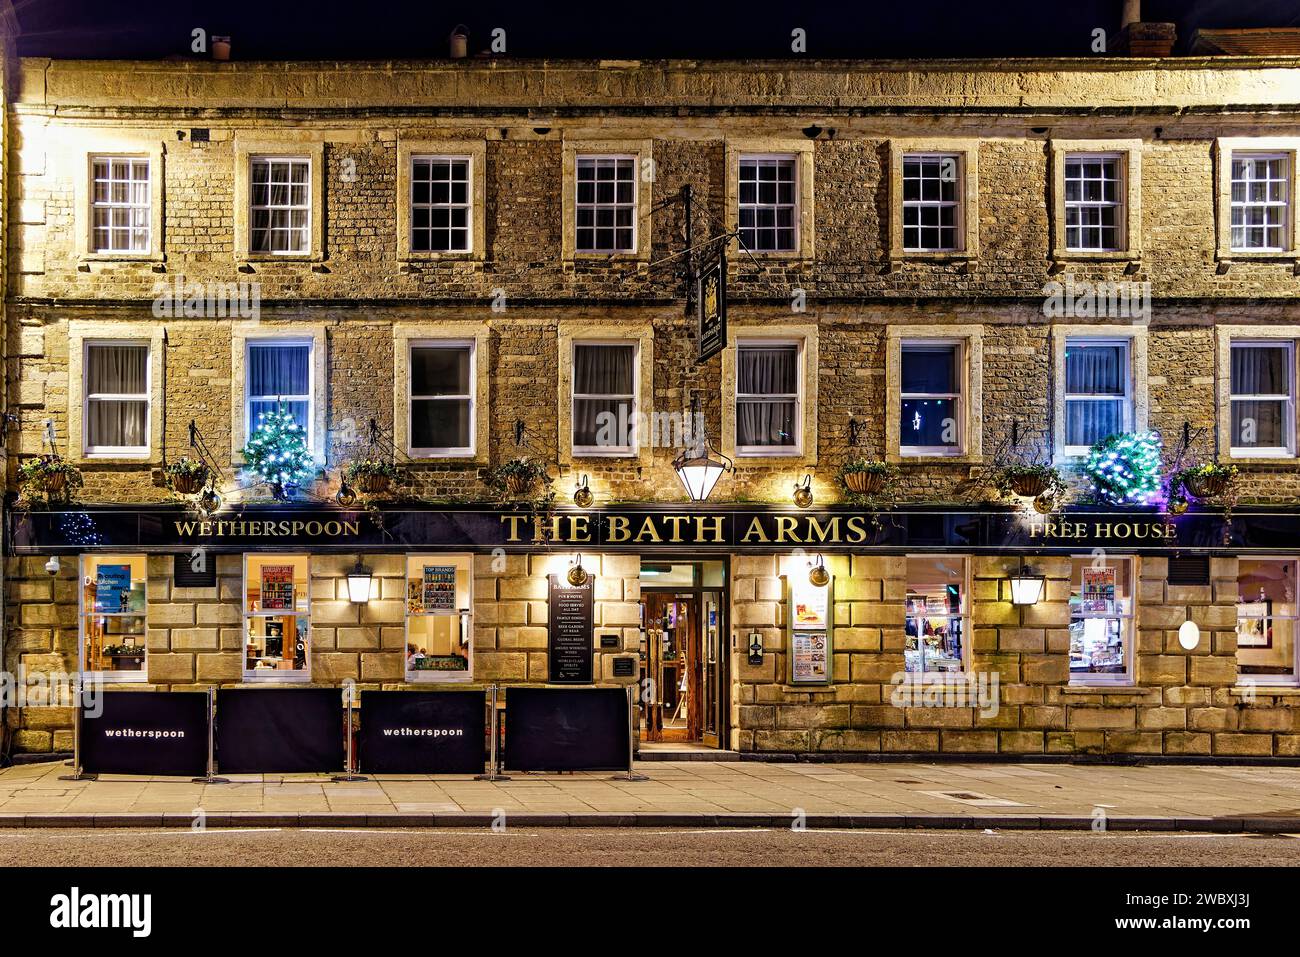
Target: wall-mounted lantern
x=360, y=579
x=803, y=493
x=699, y=468
x=1026, y=589
x=577, y=575
x=582, y=496
x=818, y=575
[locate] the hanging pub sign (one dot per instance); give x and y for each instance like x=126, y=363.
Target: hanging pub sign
x=569, y=621
x=711, y=307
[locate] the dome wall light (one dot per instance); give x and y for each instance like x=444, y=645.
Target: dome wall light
x=582, y=495
x=577, y=575
x=803, y=493
x=818, y=575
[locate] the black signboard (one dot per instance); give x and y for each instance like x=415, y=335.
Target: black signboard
x=422, y=732
x=624, y=667
x=711, y=308
x=145, y=732
x=569, y=621
x=567, y=729
x=279, y=730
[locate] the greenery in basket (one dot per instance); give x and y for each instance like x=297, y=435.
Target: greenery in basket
x=186, y=468
x=1182, y=481
x=1226, y=474
x=883, y=480
x=1005, y=478
x=377, y=467
x=537, y=495
x=47, y=479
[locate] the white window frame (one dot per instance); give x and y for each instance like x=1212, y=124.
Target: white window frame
x=1067, y=396
x=249, y=398
x=276, y=675
x=1121, y=191
x=607, y=451
x=472, y=396
x=1288, y=400
x=1128, y=625
x=957, y=204
x=1276, y=681
x=797, y=212
x=964, y=614
x=108, y=677
x=253, y=161
x=466, y=615
x=1284, y=227
x=634, y=205
x=110, y=205
x=109, y=451
x=467, y=206
x=773, y=451
x=958, y=397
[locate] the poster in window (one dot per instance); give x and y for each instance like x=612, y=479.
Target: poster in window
x=1254, y=624
x=113, y=591
x=439, y=589
x=1098, y=590
x=809, y=658
x=277, y=588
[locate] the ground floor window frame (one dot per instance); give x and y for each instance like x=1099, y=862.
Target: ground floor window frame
x=119, y=630
x=1267, y=617
x=913, y=619
x=424, y=589
x=300, y=612
x=1126, y=623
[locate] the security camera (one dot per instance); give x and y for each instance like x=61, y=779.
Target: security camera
x=52, y=566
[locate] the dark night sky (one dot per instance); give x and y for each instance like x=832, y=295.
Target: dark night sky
x=374, y=29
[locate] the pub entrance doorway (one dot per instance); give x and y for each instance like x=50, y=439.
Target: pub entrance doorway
x=684, y=692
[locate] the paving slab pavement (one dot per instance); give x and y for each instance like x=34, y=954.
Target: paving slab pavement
x=688, y=793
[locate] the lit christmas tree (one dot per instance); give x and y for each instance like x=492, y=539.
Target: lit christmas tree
x=1125, y=469
x=277, y=451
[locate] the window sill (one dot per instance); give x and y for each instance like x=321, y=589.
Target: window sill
x=1260, y=460
x=245, y=258
x=1272, y=255
x=1253, y=690
x=1080, y=688
x=120, y=258
x=275, y=675
x=965, y=458
x=439, y=678
x=1097, y=255
x=417, y=258
x=109, y=678
x=633, y=257
x=934, y=255
x=116, y=461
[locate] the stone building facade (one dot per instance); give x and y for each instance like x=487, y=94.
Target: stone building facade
x=851, y=295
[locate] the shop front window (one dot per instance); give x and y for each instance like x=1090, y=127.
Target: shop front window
x=277, y=617
x=439, y=621
x=1266, y=620
x=1101, y=620
x=113, y=618
x=937, y=618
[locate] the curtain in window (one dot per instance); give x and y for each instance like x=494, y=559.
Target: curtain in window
x=117, y=370
x=600, y=370
x=1259, y=371
x=441, y=422
x=276, y=371
x=771, y=371
x=1094, y=370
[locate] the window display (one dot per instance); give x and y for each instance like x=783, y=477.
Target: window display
x=439, y=634
x=1266, y=617
x=277, y=620
x=936, y=622
x=113, y=617
x=1101, y=620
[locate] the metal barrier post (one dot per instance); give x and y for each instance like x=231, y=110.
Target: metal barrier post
x=77, y=774
x=630, y=774
x=211, y=776
x=493, y=764
x=349, y=769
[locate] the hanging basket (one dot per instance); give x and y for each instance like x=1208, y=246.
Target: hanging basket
x=1030, y=485
x=188, y=484
x=1206, y=486
x=520, y=485
x=373, y=483
x=54, y=482
x=864, y=483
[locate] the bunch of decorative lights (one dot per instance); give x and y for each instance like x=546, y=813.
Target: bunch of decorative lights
x=1125, y=469
x=277, y=451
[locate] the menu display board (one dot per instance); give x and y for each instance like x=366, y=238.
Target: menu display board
x=809, y=661
x=569, y=621
x=277, y=588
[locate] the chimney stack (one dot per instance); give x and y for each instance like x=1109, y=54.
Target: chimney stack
x=1142, y=39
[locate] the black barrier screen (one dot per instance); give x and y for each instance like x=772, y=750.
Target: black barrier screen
x=422, y=732
x=144, y=732
x=286, y=730
x=563, y=729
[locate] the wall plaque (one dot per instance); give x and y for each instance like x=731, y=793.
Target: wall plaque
x=569, y=621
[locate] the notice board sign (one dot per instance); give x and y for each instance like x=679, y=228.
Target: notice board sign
x=422, y=732
x=279, y=730
x=811, y=631
x=145, y=732
x=567, y=729
x=569, y=622
x=711, y=308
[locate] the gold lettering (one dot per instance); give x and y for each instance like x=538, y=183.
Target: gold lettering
x=785, y=525
x=830, y=533
x=185, y=528
x=579, y=531
x=514, y=520
x=205, y=529
x=717, y=528
x=648, y=533
x=857, y=531
x=351, y=528
x=1102, y=531
x=754, y=532
x=618, y=529
x=676, y=522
